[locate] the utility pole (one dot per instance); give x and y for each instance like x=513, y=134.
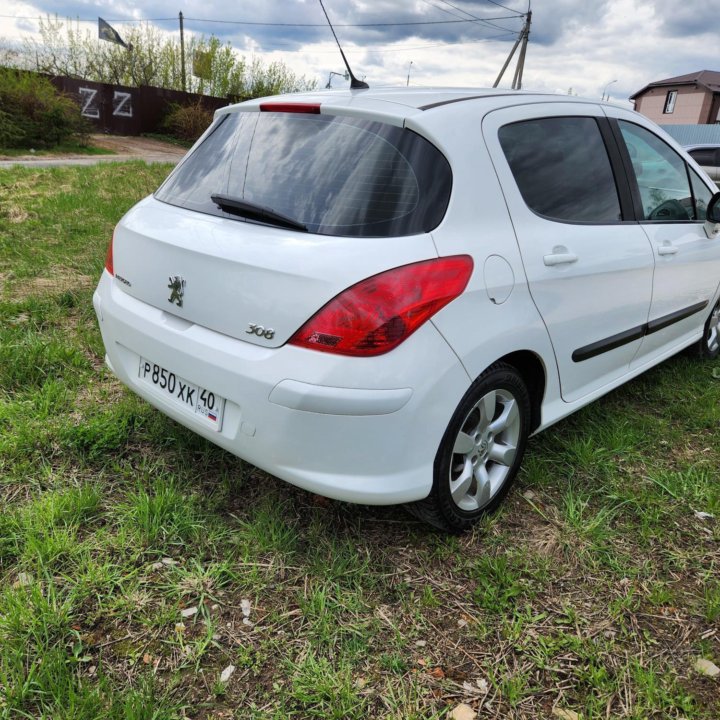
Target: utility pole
x=523, y=41
x=407, y=84
x=182, y=51
x=517, y=83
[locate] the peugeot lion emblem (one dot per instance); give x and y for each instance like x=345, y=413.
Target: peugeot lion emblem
x=177, y=290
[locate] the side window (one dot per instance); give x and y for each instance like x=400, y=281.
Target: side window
x=702, y=195
x=661, y=176
x=562, y=168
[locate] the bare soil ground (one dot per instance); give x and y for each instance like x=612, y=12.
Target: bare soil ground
x=124, y=148
x=137, y=146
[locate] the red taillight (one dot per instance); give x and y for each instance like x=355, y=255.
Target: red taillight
x=377, y=314
x=109, y=256
x=312, y=108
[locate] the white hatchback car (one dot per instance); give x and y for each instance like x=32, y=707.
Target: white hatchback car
x=378, y=295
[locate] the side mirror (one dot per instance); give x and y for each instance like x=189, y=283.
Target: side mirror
x=712, y=217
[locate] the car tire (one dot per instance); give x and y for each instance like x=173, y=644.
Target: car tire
x=708, y=347
x=480, y=452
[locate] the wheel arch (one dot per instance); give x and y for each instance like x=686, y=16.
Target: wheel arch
x=534, y=375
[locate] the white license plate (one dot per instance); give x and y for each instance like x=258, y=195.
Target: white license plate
x=208, y=406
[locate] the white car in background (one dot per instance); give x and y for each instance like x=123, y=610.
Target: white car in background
x=708, y=157
x=378, y=295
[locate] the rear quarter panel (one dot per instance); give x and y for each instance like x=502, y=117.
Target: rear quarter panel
x=478, y=223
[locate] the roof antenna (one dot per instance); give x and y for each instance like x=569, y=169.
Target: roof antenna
x=355, y=84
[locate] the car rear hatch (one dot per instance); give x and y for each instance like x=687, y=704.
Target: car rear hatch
x=275, y=213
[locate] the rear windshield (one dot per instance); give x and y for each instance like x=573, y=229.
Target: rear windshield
x=336, y=175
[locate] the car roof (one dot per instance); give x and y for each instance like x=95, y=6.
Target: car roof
x=403, y=101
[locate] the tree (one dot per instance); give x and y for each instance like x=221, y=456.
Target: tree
x=155, y=60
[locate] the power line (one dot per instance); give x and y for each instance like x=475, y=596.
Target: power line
x=377, y=50
x=486, y=21
x=505, y=7
x=381, y=51
x=455, y=15
x=389, y=49
x=391, y=24
x=273, y=24
x=92, y=20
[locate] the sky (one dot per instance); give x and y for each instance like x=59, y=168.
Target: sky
x=586, y=47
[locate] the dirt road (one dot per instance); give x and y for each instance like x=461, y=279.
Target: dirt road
x=124, y=147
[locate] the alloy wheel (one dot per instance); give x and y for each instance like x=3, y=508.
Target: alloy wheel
x=484, y=450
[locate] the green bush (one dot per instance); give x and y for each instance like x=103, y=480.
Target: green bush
x=33, y=114
x=187, y=122
x=10, y=133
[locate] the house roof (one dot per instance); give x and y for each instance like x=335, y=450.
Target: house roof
x=708, y=79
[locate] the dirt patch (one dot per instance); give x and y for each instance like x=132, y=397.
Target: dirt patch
x=124, y=148
x=16, y=214
x=132, y=145
x=61, y=280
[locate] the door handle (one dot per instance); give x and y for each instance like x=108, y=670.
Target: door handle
x=559, y=256
x=667, y=248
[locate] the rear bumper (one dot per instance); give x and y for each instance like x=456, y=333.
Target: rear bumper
x=361, y=430
x=338, y=401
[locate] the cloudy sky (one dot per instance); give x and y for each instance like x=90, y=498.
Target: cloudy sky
x=582, y=45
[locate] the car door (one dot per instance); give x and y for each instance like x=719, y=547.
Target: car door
x=671, y=199
x=589, y=267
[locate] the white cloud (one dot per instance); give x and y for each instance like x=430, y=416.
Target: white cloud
x=573, y=43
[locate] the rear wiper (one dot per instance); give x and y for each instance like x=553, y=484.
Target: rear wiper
x=248, y=209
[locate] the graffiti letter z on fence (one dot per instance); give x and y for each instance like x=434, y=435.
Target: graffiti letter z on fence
x=90, y=107
x=122, y=104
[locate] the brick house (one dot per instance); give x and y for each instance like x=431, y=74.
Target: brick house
x=692, y=99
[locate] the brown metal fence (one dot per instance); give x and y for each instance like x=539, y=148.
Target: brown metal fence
x=121, y=110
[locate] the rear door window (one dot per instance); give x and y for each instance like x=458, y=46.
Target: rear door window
x=562, y=168
x=336, y=175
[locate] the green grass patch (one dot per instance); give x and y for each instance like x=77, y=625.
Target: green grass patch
x=66, y=148
x=138, y=561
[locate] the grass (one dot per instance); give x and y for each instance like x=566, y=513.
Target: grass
x=66, y=148
x=595, y=589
